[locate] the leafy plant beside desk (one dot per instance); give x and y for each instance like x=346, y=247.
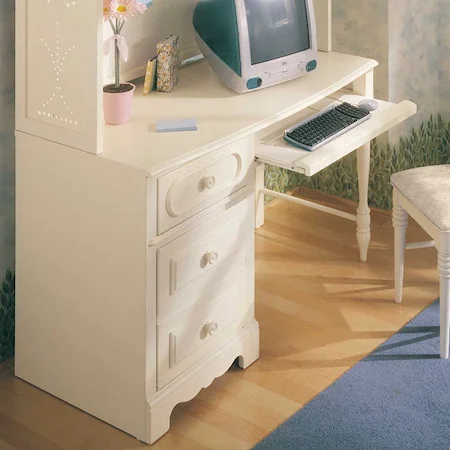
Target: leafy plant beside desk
x=7, y=314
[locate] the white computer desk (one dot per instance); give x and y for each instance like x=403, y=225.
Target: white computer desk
x=224, y=117
x=135, y=267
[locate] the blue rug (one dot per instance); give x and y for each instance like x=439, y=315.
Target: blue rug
x=396, y=398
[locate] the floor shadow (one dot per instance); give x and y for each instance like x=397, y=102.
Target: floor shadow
x=427, y=333
x=413, y=330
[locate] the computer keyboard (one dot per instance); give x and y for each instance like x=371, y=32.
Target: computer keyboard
x=325, y=126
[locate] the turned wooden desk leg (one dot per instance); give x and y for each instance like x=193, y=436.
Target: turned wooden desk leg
x=363, y=86
x=259, y=197
x=363, y=210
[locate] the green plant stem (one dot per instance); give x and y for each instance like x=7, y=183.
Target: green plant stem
x=117, y=64
x=117, y=57
x=112, y=26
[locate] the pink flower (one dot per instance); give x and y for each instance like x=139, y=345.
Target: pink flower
x=125, y=9
x=106, y=10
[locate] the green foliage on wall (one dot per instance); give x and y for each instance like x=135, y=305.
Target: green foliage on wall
x=7, y=314
x=427, y=145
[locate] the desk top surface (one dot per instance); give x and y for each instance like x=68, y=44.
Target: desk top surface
x=222, y=115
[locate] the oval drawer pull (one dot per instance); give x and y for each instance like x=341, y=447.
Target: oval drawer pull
x=211, y=328
x=209, y=182
x=211, y=258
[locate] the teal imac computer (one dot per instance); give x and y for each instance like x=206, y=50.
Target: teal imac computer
x=254, y=44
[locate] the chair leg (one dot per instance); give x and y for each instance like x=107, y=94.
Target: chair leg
x=444, y=301
x=400, y=222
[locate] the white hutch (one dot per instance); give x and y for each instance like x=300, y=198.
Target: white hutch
x=135, y=249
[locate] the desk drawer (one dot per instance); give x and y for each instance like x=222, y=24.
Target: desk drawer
x=204, y=258
x=197, y=185
x=187, y=338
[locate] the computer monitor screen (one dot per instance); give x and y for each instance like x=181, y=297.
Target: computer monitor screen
x=276, y=28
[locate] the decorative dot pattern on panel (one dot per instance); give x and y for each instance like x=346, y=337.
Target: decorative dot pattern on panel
x=58, y=56
x=66, y=3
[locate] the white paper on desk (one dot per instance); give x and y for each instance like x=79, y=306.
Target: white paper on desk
x=165, y=126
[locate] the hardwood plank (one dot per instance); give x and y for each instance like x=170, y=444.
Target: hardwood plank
x=5, y=446
x=5, y=365
x=320, y=311
x=21, y=437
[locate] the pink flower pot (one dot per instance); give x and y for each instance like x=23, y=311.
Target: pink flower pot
x=117, y=106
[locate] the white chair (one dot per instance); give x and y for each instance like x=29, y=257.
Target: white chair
x=424, y=194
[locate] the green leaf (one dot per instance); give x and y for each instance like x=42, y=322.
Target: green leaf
x=4, y=300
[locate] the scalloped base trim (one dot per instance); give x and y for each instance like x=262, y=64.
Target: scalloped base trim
x=245, y=346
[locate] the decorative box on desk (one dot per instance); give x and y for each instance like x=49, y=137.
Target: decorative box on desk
x=128, y=239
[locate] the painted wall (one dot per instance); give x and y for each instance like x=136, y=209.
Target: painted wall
x=354, y=33
x=6, y=178
x=444, y=59
x=414, y=58
x=403, y=36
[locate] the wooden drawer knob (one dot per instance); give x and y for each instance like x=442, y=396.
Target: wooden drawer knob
x=209, y=182
x=211, y=328
x=211, y=258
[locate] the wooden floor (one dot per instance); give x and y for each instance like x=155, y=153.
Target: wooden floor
x=320, y=312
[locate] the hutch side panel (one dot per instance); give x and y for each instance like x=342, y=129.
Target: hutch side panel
x=59, y=71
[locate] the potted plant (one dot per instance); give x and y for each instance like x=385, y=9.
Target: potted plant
x=117, y=97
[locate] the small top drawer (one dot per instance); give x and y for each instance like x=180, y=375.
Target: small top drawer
x=199, y=184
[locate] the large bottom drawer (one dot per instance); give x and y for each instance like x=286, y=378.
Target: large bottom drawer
x=185, y=339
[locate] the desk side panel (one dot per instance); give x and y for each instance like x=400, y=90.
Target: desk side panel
x=81, y=268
